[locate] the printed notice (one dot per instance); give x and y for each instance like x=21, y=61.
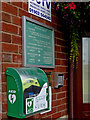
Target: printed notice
x=39, y=50
x=38, y=44
x=40, y=8
x=37, y=103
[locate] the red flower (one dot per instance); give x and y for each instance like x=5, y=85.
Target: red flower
x=66, y=7
x=57, y=7
x=72, y=6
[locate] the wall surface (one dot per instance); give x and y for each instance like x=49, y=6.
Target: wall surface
x=12, y=55
x=0, y=64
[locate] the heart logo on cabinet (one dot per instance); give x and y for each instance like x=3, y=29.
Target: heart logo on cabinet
x=12, y=98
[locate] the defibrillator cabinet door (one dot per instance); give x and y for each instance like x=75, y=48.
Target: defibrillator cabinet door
x=27, y=90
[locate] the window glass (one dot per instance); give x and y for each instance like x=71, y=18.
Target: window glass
x=86, y=69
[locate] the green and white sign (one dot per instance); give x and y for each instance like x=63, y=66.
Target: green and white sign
x=38, y=103
x=38, y=44
x=29, y=105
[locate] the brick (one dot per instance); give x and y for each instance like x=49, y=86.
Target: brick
x=57, y=48
x=56, y=115
x=1, y=116
x=36, y=116
x=56, y=90
x=0, y=97
x=16, y=40
x=25, y=6
x=0, y=47
x=5, y=65
x=56, y=103
x=64, y=100
x=0, y=85
x=20, y=49
x=6, y=37
x=55, y=54
x=4, y=107
x=53, y=82
x=16, y=20
x=4, y=87
x=54, y=96
x=52, y=111
x=37, y=18
x=60, y=42
x=6, y=17
x=18, y=4
x=9, y=8
x=17, y=58
x=64, y=62
x=66, y=106
x=61, y=28
x=4, y=98
x=0, y=56
x=64, y=113
x=9, y=28
x=22, y=12
x=0, y=107
x=66, y=82
x=47, y=118
x=20, y=31
x=60, y=95
x=55, y=41
x=30, y=118
x=59, y=34
x=53, y=25
x=61, y=69
x=9, y=48
x=66, y=75
x=49, y=113
x=42, y=115
x=60, y=108
x=55, y=20
x=48, y=23
x=4, y=115
x=57, y=61
x=62, y=55
x=0, y=37
x=49, y=70
x=64, y=49
x=0, y=75
x=7, y=58
x=20, y=65
x=53, y=12
x=3, y=78
x=64, y=88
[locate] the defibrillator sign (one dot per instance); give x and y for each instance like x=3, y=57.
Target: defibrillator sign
x=40, y=8
x=39, y=102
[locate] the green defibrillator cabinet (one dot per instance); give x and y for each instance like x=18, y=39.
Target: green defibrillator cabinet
x=27, y=91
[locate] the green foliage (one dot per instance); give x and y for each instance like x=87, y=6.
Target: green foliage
x=76, y=16
x=74, y=46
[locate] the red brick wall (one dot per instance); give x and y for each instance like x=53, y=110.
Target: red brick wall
x=0, y=64
x=12, y=54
